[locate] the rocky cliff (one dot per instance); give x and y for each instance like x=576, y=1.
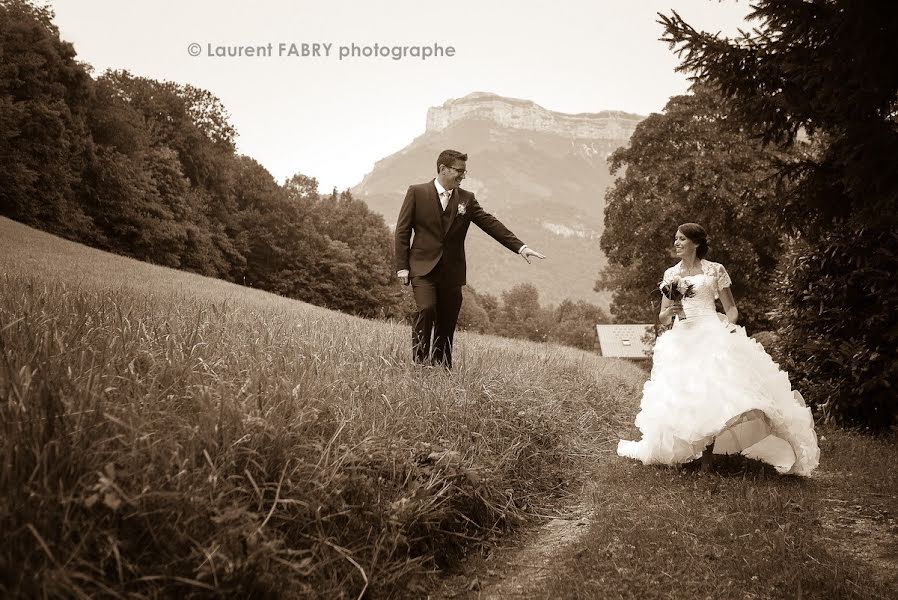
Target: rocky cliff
x=527, y=115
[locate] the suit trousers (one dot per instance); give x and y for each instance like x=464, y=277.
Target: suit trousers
x=434, y=327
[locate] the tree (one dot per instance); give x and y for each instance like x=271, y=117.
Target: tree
x=260, y=204
x=135, y=186
x=691, y=164
x=473, y=317
x=190, y=121
x=365, y=233
x=575, y=324
x=44, y=95
x=826, y=67
x=149, y=169
x=302, y=188
x=134, y=219
x=490, y=304
x=521, y=315
x=357, y=254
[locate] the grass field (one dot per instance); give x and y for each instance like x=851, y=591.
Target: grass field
x=166, y=435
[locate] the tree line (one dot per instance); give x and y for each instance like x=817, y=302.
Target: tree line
x=148, y=169
x=517, y=313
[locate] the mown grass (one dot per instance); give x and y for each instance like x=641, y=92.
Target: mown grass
x=168, y=435
x=742, y=530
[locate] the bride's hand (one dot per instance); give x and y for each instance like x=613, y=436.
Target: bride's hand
x=676, y=308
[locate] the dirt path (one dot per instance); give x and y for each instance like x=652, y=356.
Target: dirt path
x=861, y=526
x=515, y=570
x=516, y=573
x=518, y=567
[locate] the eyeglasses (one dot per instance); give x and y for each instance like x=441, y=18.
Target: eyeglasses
x=462, y=171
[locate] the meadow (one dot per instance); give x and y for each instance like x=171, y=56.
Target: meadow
x=170, y=435
x=165, y=434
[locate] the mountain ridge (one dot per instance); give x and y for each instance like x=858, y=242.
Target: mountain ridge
x=526, y=114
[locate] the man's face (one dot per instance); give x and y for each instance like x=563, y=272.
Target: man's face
x=454, y=175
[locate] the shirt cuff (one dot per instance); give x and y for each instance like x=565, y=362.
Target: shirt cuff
x=522, y=248
x=402, y=272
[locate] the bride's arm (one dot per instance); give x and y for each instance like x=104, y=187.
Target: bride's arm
x=668, y=310
x=729, y=304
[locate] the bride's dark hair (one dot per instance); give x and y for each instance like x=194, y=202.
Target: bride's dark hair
x=696, y=234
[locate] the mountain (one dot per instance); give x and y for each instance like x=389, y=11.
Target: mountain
x=542, y=173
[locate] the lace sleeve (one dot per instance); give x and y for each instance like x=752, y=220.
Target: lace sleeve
x=723, y=278
x=667, y=278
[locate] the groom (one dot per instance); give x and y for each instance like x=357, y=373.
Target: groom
x=439, y=212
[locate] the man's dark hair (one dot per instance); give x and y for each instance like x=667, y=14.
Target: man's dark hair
x=447, y=157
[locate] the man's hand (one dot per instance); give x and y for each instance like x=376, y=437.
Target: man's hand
x=527, y=252
x=403, y=276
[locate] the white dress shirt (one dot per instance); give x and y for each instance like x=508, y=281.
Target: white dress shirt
x=442, y=193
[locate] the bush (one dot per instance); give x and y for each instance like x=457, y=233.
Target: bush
x=839, y=335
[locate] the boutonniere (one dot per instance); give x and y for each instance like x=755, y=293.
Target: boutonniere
x=462, y=208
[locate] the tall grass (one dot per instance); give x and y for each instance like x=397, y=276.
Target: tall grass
x=165, y=434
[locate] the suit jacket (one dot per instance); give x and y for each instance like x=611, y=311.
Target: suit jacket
x=438, y=238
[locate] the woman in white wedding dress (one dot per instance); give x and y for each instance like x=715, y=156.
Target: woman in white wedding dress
x=712, y=386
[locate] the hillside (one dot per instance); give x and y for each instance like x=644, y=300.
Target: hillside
x=542, y=173
x=171, y=435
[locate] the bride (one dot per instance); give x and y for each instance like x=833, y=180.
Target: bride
x=713, y=388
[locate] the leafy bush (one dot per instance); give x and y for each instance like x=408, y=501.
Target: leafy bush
x=837, y=324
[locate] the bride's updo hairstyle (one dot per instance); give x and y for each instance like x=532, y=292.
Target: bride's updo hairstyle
x=696, y=234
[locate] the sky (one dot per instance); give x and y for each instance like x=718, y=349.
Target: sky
x=333, y=118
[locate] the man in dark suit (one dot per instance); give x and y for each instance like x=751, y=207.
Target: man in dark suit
x=439, y=212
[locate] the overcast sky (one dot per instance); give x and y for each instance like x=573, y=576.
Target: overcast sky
x=332, y=119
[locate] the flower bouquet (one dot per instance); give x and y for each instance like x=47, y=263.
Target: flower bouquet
x=677, y=289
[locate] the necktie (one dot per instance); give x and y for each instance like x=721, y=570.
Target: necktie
x=444, y=198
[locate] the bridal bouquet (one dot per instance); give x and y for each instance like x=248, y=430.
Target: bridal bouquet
x=677, y=289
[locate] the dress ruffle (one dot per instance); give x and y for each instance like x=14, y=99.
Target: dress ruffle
x=711, y=382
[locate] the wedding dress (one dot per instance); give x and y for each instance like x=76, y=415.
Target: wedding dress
x=710, y=382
